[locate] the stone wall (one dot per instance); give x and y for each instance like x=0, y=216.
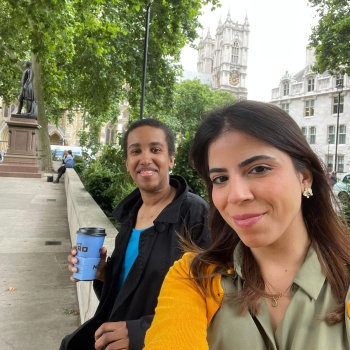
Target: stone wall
x=84, y=212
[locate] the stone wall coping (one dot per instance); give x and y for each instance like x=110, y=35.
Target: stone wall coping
x=83, y=211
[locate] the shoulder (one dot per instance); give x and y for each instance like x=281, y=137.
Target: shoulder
x=195, y=203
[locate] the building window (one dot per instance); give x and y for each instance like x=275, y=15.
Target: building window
x=235, y=52
x=285, y=89
x=309, y=108
x=311, y=84
x=340, y=161
x=339, y=80
x=212, y=65
x=304, y=131
x=313, y=135
x=331, y=135
x=335, y=105
x=330, y=163
x=110, y=131
x=6, y=112
x=342, y=135
x=285, y=107
x=12, y=108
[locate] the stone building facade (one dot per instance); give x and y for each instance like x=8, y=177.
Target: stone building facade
x=312, y=101
x=223, y=60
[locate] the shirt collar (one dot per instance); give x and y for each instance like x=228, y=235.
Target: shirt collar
x=310, y=277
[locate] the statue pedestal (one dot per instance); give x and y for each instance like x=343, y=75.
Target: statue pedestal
x=20, y=159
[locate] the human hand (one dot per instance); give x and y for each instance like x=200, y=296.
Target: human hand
x=101, y=269
x=112, y=336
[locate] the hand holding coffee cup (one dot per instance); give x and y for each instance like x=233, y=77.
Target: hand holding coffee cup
x=101, y=270
x=88, y=256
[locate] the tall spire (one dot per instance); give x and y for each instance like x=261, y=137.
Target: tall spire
x=208, y=34
x=246, y=20
x=228, y=19
x=219, y=21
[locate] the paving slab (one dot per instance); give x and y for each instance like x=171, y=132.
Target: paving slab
x=38, y=302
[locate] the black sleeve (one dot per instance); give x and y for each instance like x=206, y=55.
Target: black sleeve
x=200, y=232
x=196, y=221
x=98, y=286
x=137, y=331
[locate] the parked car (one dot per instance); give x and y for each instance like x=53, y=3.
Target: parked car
x=342, y=187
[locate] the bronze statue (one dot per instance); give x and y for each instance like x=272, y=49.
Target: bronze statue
x=27, y=93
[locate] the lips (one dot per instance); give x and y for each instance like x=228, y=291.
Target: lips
x=247, y=220
x=146, y=172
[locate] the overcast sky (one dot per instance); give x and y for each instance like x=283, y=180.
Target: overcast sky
x=279, y=32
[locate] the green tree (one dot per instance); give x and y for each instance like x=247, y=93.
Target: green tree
x=192, y=99
x=84, y=51
x=331, y=36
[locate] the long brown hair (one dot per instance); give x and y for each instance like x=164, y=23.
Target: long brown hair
x=328, y=234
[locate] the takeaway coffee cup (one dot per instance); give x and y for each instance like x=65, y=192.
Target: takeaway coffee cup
x=89, y=243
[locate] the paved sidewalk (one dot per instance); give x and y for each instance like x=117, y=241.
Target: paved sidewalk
x=34, y=244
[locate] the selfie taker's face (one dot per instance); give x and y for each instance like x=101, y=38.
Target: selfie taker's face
x=256, y=188
x=148, y=159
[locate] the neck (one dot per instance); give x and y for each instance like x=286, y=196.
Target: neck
x=151, y=199
x=285, y=256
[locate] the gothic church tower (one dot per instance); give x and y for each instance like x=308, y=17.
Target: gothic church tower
x=226, y=57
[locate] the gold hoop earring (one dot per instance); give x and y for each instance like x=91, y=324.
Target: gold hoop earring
x=307, y=192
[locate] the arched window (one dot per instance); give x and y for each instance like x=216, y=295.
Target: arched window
x=235, y=52
x=12, y=108
x=110, y=133
x=285, y=89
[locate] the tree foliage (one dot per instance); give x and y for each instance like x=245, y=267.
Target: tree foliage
x=192, y=101
x=331, y=36
x=89, y=49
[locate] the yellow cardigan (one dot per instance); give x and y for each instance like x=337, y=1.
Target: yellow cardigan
x=181, y=301
x=183, y=304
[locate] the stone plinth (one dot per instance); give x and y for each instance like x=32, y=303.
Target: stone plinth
x=20, y=159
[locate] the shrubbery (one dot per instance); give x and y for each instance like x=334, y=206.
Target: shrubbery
x=107, y=179
x=182, y=168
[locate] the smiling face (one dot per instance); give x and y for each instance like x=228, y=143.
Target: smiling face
x=148, y=159
x=256, y=189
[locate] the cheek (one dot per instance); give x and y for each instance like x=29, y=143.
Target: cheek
x=218, y=199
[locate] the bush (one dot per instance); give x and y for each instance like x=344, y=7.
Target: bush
x=182, y=168
x=107, y=179
x=78, y=164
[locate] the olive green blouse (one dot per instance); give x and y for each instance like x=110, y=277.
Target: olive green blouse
x=301, y=327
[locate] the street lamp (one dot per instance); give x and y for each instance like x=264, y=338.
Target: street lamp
x=340, y=90
x=145, y=58
x=329, y=141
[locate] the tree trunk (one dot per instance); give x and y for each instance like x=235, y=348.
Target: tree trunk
x=43, y=138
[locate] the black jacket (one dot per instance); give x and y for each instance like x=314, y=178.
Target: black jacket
x=158, y=249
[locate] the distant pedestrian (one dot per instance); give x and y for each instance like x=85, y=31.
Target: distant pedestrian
x=332, y=178
x=2, y=152
x=68, y=162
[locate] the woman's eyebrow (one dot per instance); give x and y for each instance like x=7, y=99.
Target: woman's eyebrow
x=217, y=170
x=253, y=159
x=242, y=164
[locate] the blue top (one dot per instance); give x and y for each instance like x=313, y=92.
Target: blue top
x=132, y=251
x=69, y=161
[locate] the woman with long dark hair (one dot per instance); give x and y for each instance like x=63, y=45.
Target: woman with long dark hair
x=276, y=275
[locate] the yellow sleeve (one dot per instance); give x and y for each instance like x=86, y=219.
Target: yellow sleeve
x=182, y=315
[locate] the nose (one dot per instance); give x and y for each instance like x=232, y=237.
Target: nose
x=146, y=158
x=239, y=191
